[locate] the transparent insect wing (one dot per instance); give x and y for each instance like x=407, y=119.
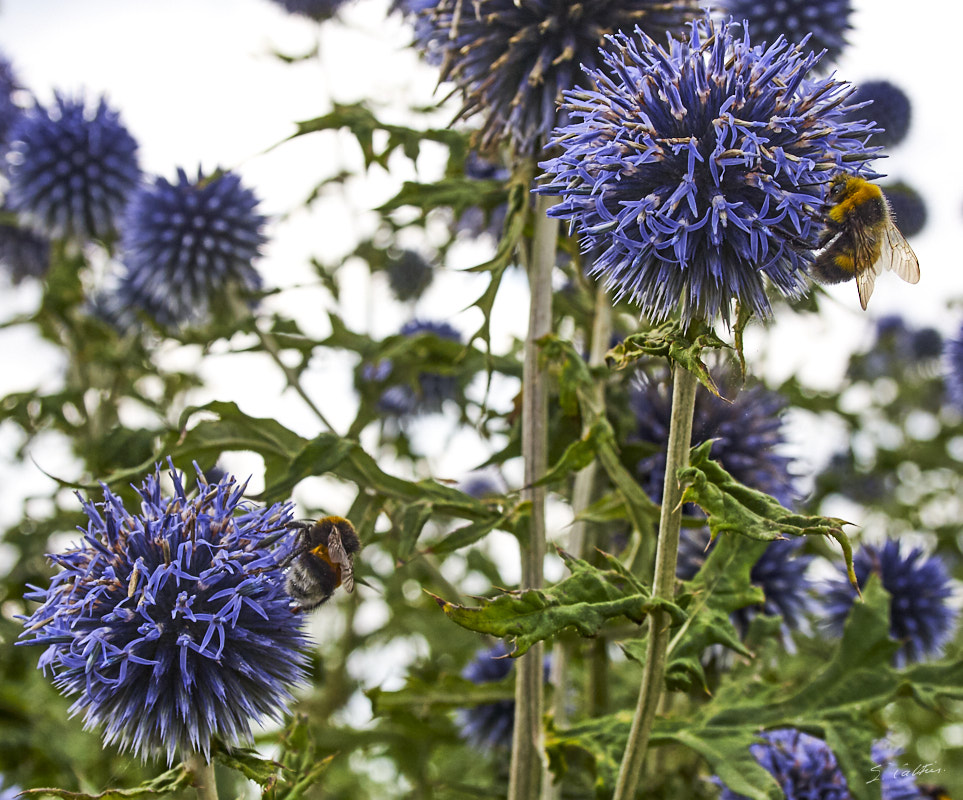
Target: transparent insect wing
x=899, y=256
x=338, y=555
x=865, y=281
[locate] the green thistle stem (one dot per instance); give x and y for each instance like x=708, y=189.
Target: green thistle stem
x=204, y=781
x=527, y=765
x=582, y=493
x=680, y=434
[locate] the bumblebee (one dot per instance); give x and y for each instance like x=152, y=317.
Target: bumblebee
x=861, y=239
x=321, y=561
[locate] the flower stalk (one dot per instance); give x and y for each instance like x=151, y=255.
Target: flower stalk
x=663, y=585
x=205, y=782
x=527, y=750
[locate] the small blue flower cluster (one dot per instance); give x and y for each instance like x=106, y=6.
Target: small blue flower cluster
x=319, y=10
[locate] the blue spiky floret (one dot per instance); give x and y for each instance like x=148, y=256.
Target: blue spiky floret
x=806, y=768
x=824, y=22
x=511, y=59
x=171, y=626
x=698, y=172
x=72, y=168
x=891, y=109
x=319, y=10
x=921, y=618
x=187, y=245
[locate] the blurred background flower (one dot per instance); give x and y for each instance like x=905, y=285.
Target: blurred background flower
x=72, y=168
x=187, y=246
x=921, y=616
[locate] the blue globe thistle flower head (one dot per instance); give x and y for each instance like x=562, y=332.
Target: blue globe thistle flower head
x=489, y=726
x=747, y=434
x=481, y=485
x=803, y=765
x=409, y=275
x=23, y=253
x=188, y=246
x=780, y=572
x=511, y=59
x=825, y=22
x=319, y=10
x=907, y=206
x=953, y=370
x=72, y=168
x=921, y=618
x=895, y=783
x=431, y=389
x=699, y=171
x=891, y=109
x=171, y=625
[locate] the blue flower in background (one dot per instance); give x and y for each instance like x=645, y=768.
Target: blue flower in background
x=746, y=432
x=431, y=389
x=475, y=221
x=806, y=769
x=8, y=792
x=921, y=619
x=953, y=369
x=319, y=10
x=428, y=39
x=489, y=725
x=409, y=275
x=891, y=109
x=172, y=625
x=699, y=171
x=908, y=207
x=23, y=253
x=899, y=348
x=511, y=59
x=780, y=572
x=188, y=245
x=824, y=21
x=10, y=112
x=72, y=168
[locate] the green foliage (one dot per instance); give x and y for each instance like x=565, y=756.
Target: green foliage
x=584, y=600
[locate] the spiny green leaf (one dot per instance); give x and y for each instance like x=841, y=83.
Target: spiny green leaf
x=249, y=763
x=669, y=341
x=584, y=600
x=447, y=691
x=301, y=761
x=734, y=508
x=171, y=781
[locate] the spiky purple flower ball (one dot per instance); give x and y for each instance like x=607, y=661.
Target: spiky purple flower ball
x=780, y=572
x=409, y=275
x=23, y=253
x=512, y=59
x=698, y=172
x=908, y=207
x=319, y=10
x=488, y=725
x=891, y=109
x=921, y=618
x=188, y=245
x=72, y=168
x=171, y=625
x=747, y=434
x=953, y=369
x=806, y=769
x=9, y=110
x=429, y=392
x=825, y=22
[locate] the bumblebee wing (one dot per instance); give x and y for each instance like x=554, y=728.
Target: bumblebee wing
x=867, y=263
x=898, y=256
x=340, y=556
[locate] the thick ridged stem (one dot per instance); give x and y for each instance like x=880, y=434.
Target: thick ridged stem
x=582, y=492
x=663, y=585
x=204, y=781
x=527, y=740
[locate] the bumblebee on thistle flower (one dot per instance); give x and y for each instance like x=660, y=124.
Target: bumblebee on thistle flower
x=861, y=239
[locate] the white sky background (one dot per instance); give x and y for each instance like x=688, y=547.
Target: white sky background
x=196, y=84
